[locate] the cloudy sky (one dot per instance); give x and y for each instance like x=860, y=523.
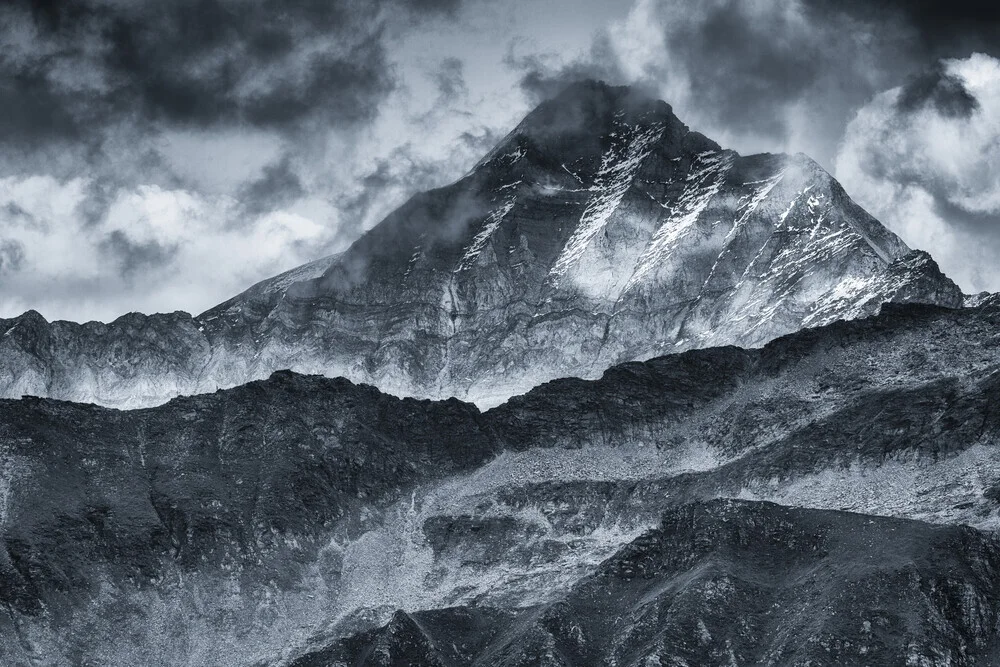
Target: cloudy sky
x=161, y=156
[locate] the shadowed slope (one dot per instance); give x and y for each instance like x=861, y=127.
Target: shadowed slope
x=729, y=582
x=297, y=509
x=601, y=230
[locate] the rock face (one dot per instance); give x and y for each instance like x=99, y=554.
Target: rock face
x=207, y=525
x=601, y=230
x=733, y=582
x=295, y=517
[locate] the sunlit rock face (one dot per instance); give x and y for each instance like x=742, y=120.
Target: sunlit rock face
x=601, y=230
x=310, y=519
x=731, y=582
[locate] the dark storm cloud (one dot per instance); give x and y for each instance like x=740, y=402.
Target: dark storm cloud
x=100, y=194
x=203, y=62
x=936, y=28
x=11, y=256
x=541, y=79
x=982, y=224
x=33, y=110
x=277, y=186
x=447, y=7
x=401, y=171
x=760, y=72
x=199, y=63
x=480, y=142
x=449, y=79
x=400, y=175
x=764, y=69
x=937, y=87
x=743, y=61
x=15, y=212
x=132, y=257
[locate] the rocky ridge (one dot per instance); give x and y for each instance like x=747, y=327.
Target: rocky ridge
x=291, y=514
x=601, y=230
x=732, y=582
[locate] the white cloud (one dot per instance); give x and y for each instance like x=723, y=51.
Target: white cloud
x=934, y=177
x=155, y=250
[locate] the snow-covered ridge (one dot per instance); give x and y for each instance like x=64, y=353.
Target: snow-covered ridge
x=975, y=300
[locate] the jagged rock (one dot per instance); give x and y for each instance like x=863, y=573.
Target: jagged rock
x=601, y=230
x=290, y=512
x=730, y=582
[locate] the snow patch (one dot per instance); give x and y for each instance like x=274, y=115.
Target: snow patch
x=746, y=206
x=708, y=173
x=618, y=168
x=491, y=224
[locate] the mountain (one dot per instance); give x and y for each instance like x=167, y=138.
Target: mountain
x=600, y=230
x=302, y=518
x=732, y=582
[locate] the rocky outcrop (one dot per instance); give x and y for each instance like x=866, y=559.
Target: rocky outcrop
x=601, y=230
x=730, y=582
x=290, y=513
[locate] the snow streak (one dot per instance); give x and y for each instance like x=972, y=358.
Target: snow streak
x=491, y=224
x=745, y=207
x=618, y=168
x=706, y=178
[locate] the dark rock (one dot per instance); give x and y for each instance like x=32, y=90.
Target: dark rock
x=735, y=582
x=292, y=510
x=600, y=231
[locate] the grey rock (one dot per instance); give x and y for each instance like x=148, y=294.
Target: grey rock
x=730, y=582
x=601, y=230
x=271, y=521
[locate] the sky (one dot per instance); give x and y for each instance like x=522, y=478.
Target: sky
x=165, y=156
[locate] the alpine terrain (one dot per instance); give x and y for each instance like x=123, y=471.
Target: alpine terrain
x=302, y=520
x=619, y=396
x=601, y=230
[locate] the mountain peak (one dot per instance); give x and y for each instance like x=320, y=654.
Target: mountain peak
x=579, y=124
x=601, y=230
x=591, y=100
